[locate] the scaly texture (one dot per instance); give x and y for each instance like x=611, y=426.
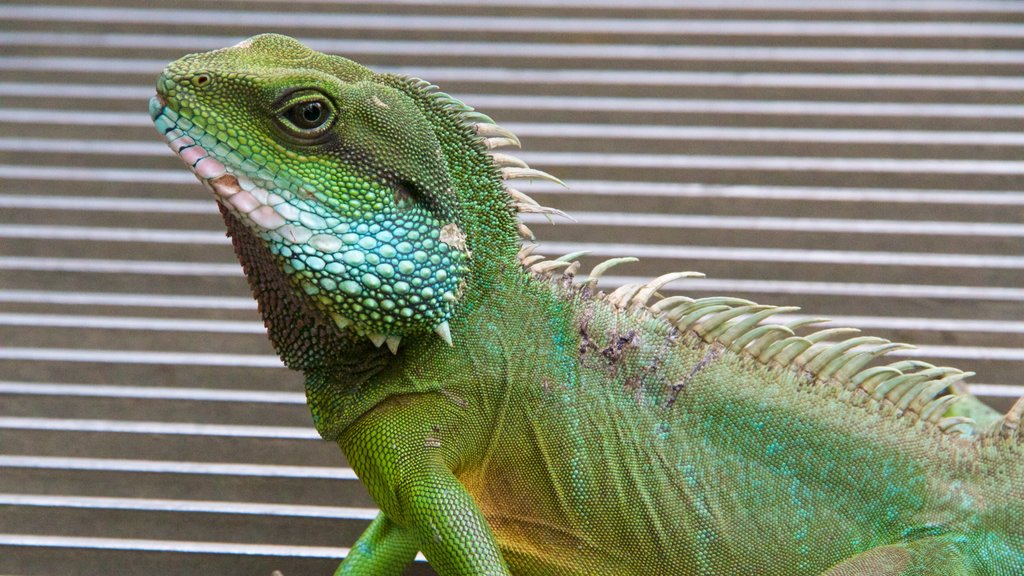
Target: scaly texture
x=520, y=421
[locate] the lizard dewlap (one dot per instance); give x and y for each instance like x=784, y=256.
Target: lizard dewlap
x=553, y=429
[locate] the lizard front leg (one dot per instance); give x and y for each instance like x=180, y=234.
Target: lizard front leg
x=384, y=549
x=396, y=451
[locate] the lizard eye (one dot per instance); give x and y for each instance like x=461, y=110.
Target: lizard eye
x=306, y=115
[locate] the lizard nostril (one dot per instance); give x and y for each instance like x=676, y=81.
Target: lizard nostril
x=200, y=80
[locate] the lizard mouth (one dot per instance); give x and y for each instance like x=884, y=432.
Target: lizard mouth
x=250, y=192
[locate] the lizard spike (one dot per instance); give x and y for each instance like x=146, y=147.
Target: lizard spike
x=572, y=256
x=770, y=337
x=957, y=425
x=911, y=365
x=621, y=296
x=545, y=210
x=475, y=119
x=730, y=332
x=571, y=270
x=708, y=327
x=894, y=388
x=817, y=337
x=603, y=267
x=340, y=321
x=492, y=130
x=822, y=357
x=726, y=300
x=507, y=160
x=717, y=302
x=660, y=306
x=827, y=333
x=526, y=250
x=1008, y=427
x=529, y=173
x=548, y=266
x=393, y=342
x=519, y=196
x=648, y=290
x=869, y=379
x=755, y=339
x=935, y=409
x=525, y=233
x=492, y=143
x=907, y=396
x=844, y=367
x=789, y=349
x=684, y=319
x=377, y=339
x=445, y=332
x=916, y=402
x=531, y=260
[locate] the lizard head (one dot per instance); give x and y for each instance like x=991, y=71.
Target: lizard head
x=351, y=180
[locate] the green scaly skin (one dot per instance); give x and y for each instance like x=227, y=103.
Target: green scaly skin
x=562, y=431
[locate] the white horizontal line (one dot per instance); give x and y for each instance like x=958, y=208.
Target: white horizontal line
x=884, y=6
x=124, y=299
x=956, y=325
x=774, y=163
x=218, y=303
x=140, y=357
x=706, y=106
x=839, y=257
x=152, y=393
x=178, y=546
x=577, y=187
x=111, y=204
x=176, y=467
x=852, y=289
x=605, y=160
x=104, y=147
x=608, y=219
x=144, y=427
x=188, y=506
x=976, y=353
x=206, y=395
x=536, y=51
x=92, y=265
x=781, y=224
x=802, y=193
x=298, y=398
x=518, y=24
x=719, y=133
x=590, y=103
x=773, y=286
x=437, y=74
x=101, y=234
x=130, y=323
x=535, y=130
x=997, y=390
x=81, y=174
x=83, y=91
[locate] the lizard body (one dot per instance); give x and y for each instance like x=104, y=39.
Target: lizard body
x=509, y=418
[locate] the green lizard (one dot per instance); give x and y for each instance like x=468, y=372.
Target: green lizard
x=509, y=418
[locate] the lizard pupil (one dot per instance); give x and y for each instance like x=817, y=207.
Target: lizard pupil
x=308, y=115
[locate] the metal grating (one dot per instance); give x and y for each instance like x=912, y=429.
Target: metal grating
x=861, y=159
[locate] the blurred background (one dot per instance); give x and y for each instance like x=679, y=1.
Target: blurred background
x=860, y=159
